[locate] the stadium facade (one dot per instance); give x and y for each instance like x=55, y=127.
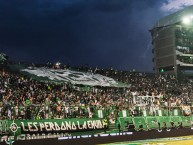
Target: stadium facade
x=172, y=40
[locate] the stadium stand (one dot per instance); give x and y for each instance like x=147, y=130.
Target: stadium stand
x=152, y=102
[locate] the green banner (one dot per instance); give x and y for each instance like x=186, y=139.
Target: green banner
x=18, y=127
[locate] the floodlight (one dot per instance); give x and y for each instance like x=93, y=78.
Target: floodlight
x=58, y=63
x=186, y=20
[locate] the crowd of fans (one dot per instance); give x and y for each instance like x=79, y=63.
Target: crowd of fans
x=24, y=98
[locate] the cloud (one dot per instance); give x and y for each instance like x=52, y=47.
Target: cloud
x=77, y=32
x=175, y=5
x=111, y=5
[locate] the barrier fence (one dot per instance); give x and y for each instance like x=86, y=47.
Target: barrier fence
x=140, y=118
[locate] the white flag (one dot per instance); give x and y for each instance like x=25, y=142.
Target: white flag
x=100, y=113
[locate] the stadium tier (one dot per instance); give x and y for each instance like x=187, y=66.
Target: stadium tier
x=172, y=44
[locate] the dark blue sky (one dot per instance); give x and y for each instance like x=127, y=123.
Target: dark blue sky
x=100, y=33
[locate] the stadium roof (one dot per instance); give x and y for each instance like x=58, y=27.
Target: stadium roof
x=175, y=17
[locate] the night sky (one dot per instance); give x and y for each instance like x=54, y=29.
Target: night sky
x=101, y=33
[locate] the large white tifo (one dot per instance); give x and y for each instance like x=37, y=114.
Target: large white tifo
x=74, y=77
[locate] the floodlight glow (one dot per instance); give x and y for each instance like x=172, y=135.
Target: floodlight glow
x=58, y=63
x=186, y=20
